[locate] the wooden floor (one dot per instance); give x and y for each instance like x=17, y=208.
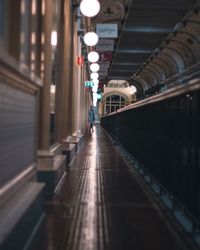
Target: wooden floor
x=102, y=205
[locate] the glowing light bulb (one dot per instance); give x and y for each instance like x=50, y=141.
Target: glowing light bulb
x=91, y=38
x=94, y=67
x=93, y=57
x=96, y=81
x=94, y=75
x=90, y=8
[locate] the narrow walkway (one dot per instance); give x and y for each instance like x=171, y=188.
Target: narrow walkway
x=102, y=206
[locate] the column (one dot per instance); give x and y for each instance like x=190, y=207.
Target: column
x=45, y=92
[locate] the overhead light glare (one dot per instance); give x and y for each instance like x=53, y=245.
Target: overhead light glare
x=90, y=8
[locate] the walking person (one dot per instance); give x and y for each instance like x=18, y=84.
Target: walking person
x=91, y=118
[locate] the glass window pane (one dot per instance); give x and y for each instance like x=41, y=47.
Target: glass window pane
x=112, y=108
x=115, y=98
x=107, y=109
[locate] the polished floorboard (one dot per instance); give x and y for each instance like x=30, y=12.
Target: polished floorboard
x=103, y=205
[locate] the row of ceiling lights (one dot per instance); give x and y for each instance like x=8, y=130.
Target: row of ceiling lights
x=90, y=8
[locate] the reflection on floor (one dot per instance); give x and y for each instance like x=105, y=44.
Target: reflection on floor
x=101, y=205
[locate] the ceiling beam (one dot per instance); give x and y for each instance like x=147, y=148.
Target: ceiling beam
x=126, y=63
x=146, y=29
x=136, y=51
x=120, y=71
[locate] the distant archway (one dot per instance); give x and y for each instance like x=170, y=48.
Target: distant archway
x=114, y=101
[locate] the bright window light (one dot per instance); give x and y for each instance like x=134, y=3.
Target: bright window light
x=91, y=38
x=93, y=57
x=54, y=38
x=90, y=8
x=94, y=75
x=94, y=67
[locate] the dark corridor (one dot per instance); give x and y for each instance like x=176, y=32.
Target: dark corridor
x=102, y=204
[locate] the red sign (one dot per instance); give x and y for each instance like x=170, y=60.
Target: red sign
x=80, y=60
x=105, y=57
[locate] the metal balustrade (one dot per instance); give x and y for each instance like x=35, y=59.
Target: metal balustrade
x=163, y=133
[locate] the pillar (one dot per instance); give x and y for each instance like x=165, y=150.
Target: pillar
x=45, y=92
x=63, y=84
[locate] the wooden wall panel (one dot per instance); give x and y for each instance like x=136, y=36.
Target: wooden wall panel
x=17, y=131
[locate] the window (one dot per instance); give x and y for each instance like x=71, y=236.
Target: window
x=114, y=102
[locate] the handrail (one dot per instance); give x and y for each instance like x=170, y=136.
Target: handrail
x=172, y=92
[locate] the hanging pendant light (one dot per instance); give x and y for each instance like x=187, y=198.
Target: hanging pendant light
x=95, y=81
x=91, y=38
x=90, y=8
x=94, y=76
x=93, y=56
x=94, y=67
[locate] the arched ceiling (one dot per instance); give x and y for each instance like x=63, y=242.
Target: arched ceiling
x=157, y=39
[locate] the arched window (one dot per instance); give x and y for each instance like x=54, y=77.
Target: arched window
x=114, y=102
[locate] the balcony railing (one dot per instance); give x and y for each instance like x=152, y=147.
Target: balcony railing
x=163, y=133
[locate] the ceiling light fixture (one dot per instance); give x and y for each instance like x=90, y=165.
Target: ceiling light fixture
x=94, y=67
x=91, y=38
x=93, y=57
x=90, y=8
x=94, y=76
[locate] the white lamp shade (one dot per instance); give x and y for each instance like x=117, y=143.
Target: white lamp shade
x=90, y=8
x=94, y=67
x=93, y=57
x=95, y=81
x=94, y=76
x=91, y=38
x=94, y=89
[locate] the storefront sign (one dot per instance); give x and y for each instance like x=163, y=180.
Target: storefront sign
x=89, y=84
x=80, y=60
x=107, y=30
x=102, y=76
x=103, y=72
x=104, y=66
x=105, y=45
x=105, y=57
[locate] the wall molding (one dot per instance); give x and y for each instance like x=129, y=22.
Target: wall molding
x=18, y=76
